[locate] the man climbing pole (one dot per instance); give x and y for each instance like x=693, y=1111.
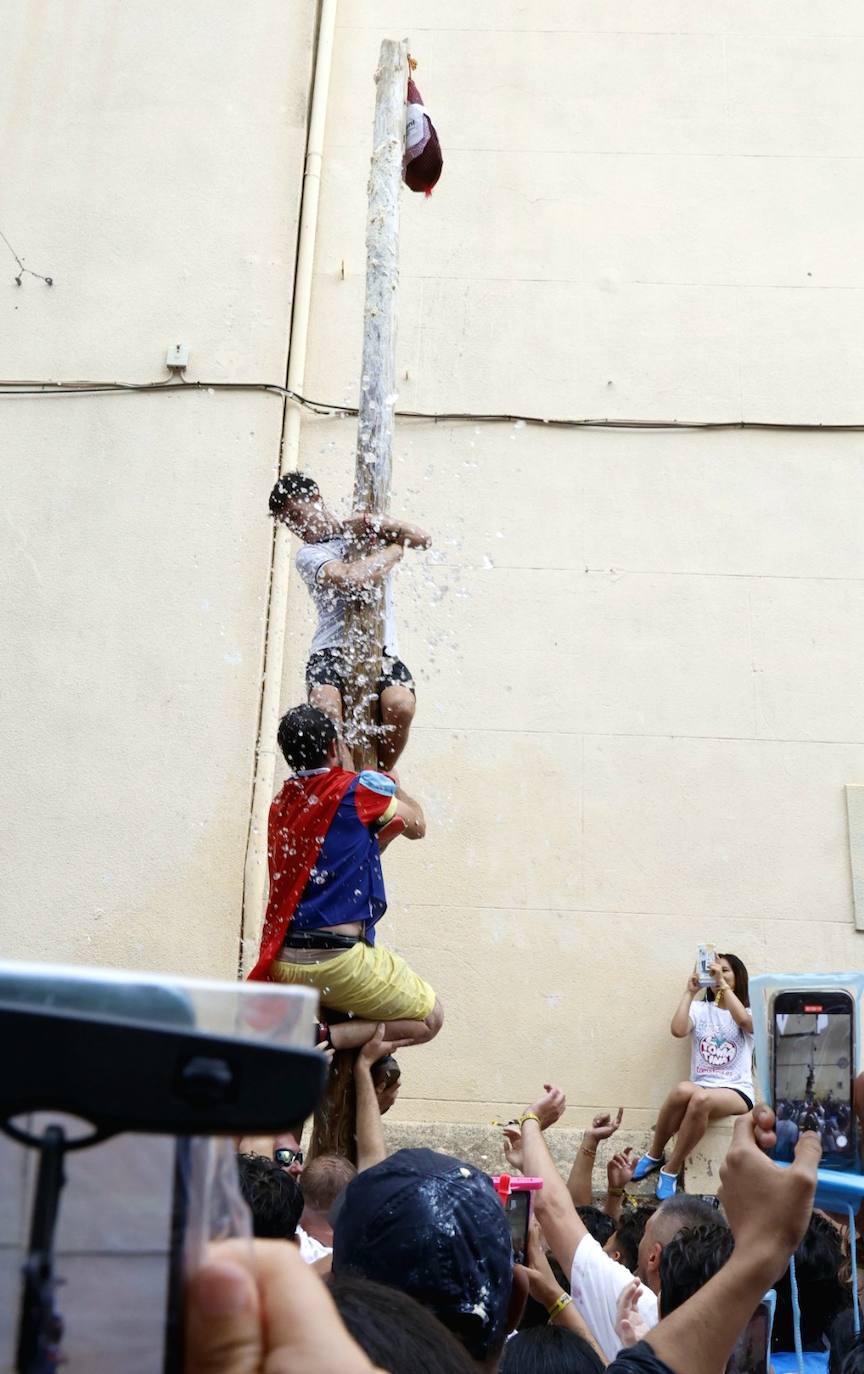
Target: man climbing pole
x=334, y=579
x=326, y=830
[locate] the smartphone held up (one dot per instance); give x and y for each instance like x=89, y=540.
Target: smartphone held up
x=517, y=1198
x=813, y=1073
x=706, y=956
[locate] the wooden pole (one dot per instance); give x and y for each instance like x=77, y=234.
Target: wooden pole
x=364, y=626
x=335, y=1117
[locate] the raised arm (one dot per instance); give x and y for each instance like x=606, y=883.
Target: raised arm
x=560, y=1223
x=411, y=813
x=364, y=526
x=545, y=1289
x=736, y=1008
x=619, y=1172
x=371, y=1145
x=352, y=579
x=768, y=1209
x=579, y=1184
x=681, y=1020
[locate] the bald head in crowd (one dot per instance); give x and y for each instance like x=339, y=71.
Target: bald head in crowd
x=325, y=1179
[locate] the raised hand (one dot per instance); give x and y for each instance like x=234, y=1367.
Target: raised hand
x=630, y=1326
x=542, y=1283
x=512, y=1146
x=768, y=1207
x=603, y=1126
x=377, y=1048
x=619, y=1170
x=550, y=1107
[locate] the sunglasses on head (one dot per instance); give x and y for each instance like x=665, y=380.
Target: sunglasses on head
x=287, y=1156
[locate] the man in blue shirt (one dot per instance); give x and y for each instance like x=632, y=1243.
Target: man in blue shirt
x=325, y=832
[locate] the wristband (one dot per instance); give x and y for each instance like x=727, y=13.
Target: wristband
x=529, y=1116
x=558, y=1307
x=592, y=1154
x=614, y=1192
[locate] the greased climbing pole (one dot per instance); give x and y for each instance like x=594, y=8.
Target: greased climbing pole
x=364, y=630
x=365, y=618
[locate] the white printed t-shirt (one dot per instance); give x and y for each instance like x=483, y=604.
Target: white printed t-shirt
x=329, y=602
x=596, y=1282
x=721, y=1052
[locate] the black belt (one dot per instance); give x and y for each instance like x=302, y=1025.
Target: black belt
x=314, y=940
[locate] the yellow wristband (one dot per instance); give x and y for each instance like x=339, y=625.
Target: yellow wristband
x=529, y=1116
x=558, y=1307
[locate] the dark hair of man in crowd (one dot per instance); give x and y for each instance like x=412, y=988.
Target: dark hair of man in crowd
x=324, y=1179
x=305, y=734
x=549, y=1350
x=629, y=1232
x=292, y=486
x=272, y=1195
x=742, y=979
x=821, y=1292
x=386, y=1071
x=397, y=1333
x=689, y=1260
x=844, y=1343
x=598, y=1224
x=683, y=1210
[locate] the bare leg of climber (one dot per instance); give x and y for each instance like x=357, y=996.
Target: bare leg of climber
x=397, y=707
x=328, y=699
x=350, y=1035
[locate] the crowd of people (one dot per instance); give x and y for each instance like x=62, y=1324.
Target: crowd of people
x=407, y=1262
x=404, y=1262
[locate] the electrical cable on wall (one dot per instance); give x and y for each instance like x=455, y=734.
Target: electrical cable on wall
x=325, y=408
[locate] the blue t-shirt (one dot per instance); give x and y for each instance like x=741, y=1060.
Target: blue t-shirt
x=346, y=883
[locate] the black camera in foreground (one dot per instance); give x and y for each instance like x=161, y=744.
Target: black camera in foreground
x=123, y=1092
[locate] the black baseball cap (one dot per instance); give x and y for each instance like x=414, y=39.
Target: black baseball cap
x=434, y=1227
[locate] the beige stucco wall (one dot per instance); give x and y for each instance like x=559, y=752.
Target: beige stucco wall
x=152, y=166
x=638, y=652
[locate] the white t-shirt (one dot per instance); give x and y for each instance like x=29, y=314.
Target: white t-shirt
x=595, y=1285
x=311, y=1250
x=721, y=1052
x=330, y=603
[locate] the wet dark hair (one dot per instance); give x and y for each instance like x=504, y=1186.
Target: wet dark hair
x=386, y=1071
x=292, y=486
x=854, y=1361
x=629, y=1232
x=742, y=979
x=821, y=1292
x=397, y=1332
x=549, y=1350
x=689, y=1260
x=324, y=1179
x=305, y=734
x=598, y=1224
x=272, y=1195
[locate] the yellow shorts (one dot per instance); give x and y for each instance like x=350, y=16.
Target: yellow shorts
x=373, y=984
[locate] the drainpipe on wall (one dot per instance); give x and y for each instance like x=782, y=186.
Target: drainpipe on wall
x=255, y=870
